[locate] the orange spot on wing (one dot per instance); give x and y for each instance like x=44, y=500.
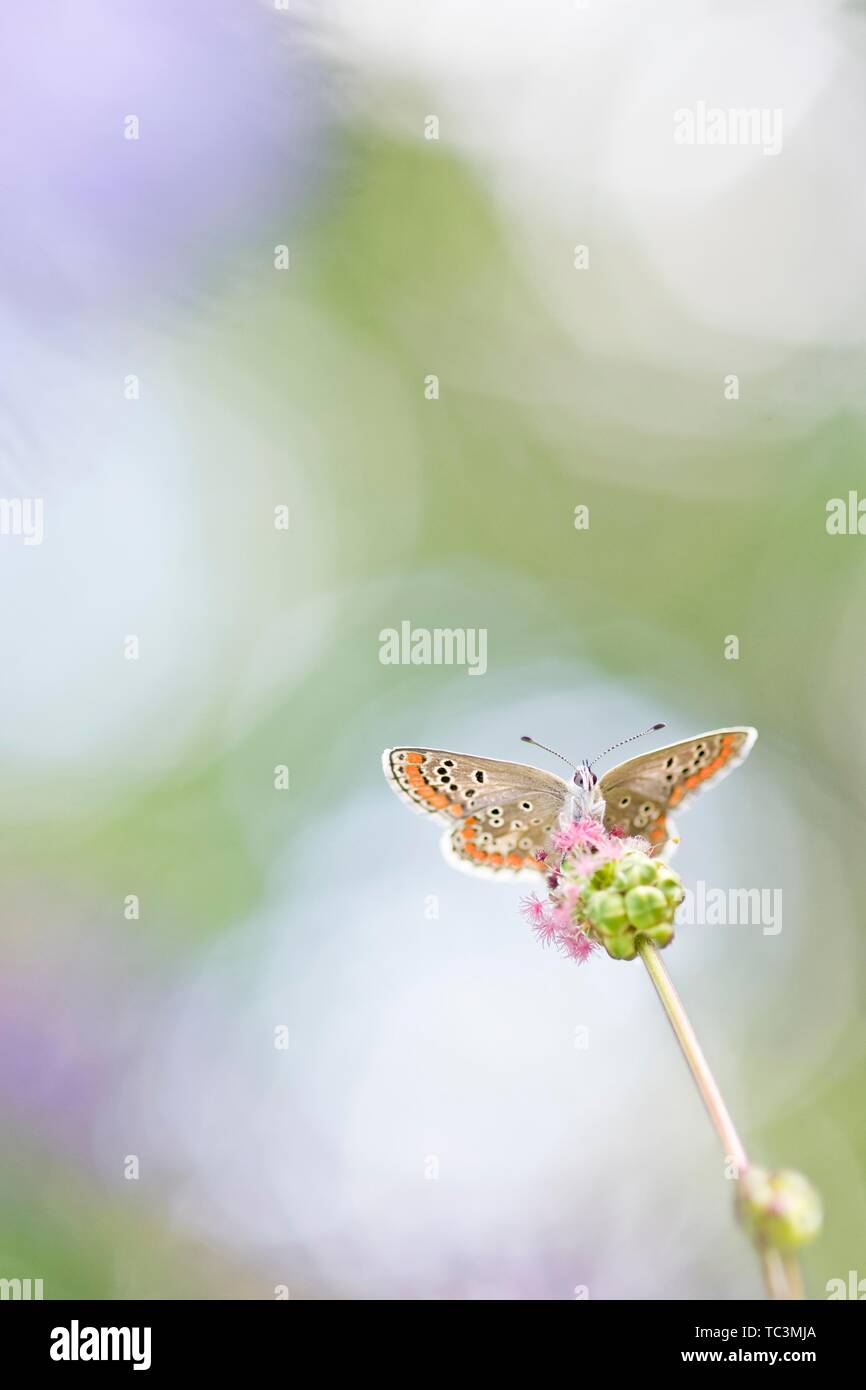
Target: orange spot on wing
x=438, y=800
x=496, y=859
x=455, y=808
x=414, y=757
x=676, y=795
x=513, y=861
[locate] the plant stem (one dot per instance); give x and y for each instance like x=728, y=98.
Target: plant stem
x=691, y=1048
x=782, y=1277
x=794, y=1276
x=775, y=1278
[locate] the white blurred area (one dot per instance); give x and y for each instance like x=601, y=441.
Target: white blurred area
x=147, y=534
x=450, y=1039
x=703, y=260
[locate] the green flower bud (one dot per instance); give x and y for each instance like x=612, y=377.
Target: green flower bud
x=626, y=897
x=632, y=871
x=602, y=877
x=621, y=947
x=670, y=885
x=646, y=907
x=780, y=1209
x=606, y=911
x=660, y=936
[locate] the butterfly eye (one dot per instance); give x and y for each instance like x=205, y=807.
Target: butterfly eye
x=594, y=779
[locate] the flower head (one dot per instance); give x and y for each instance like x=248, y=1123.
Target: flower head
x=576, y=945
x=533, y=909
x=539, y=916
x=590, y=834
x=779, y=1209
x=604, y=890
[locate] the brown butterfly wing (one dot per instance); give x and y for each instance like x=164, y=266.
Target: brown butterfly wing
x=499, y=813
x=640, y=793
x=507, y=835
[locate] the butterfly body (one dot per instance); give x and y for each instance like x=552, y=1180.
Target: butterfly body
x=587, y=797
x=501, y=816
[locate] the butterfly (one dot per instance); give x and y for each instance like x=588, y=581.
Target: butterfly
x=500, y=816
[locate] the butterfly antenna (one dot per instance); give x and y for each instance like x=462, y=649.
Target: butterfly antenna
x=631, y=738
x=524, y=738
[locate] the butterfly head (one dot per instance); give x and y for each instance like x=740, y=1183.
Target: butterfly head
x=588, y=798
x=584, y=777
